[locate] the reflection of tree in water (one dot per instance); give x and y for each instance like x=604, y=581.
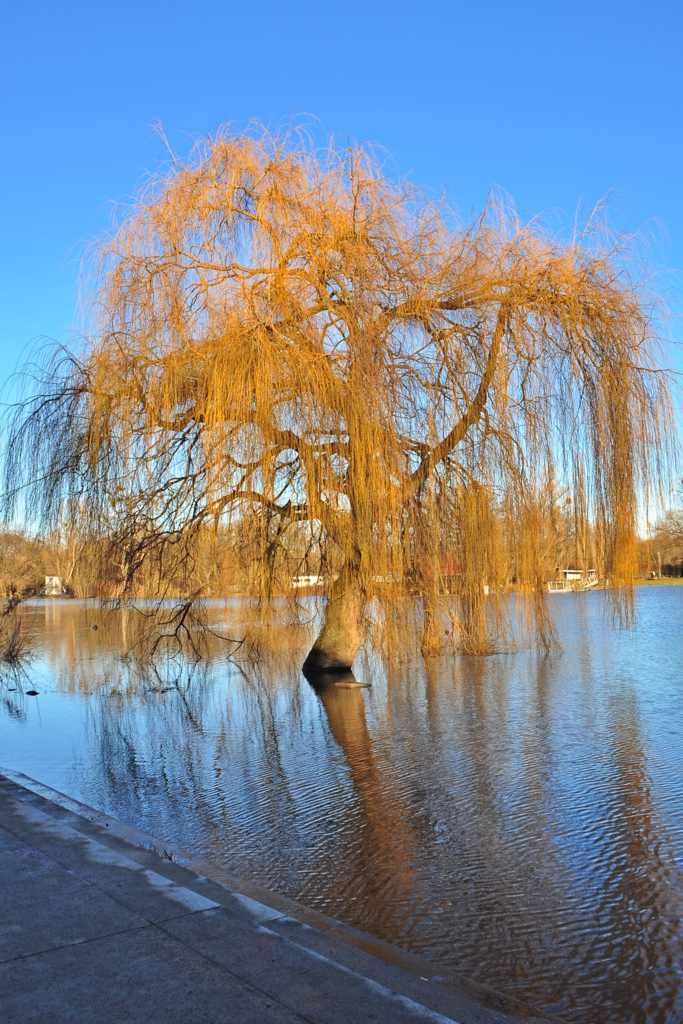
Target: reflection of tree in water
x=92, y=647
x=553, y=899
x=637, y=948
x=198, y=762
x=230, y=767
x=12, y=699
x=496, y=815
x=498, y=863
x=618, y=935
x=381, y=867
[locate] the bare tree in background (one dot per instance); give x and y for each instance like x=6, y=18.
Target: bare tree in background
x=284, y=342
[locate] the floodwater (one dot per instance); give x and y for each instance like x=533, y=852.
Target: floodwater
x=517, y=817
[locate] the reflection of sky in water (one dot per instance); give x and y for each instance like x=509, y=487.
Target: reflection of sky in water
x=518, y=817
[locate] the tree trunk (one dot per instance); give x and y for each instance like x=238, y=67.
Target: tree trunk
x=342, y=632
x=432, y=642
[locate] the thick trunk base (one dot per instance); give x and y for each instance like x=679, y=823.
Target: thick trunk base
x=342, y=632
x=321, y=681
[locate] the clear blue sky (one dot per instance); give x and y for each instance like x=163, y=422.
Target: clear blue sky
x=555, y=102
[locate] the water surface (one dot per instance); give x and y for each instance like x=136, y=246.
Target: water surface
x=516, y=817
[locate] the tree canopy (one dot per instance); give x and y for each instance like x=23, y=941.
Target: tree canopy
x=289, y=344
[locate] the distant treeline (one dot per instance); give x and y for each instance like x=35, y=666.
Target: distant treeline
x=665, y=549
x=222, y=562
x=91, y=567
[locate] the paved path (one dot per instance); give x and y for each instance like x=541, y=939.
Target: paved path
x=98, y=925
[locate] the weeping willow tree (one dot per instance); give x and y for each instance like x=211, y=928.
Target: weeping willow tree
x=283, y=342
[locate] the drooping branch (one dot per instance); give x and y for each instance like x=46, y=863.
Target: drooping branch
x=278, y=335
x=291, y=510
x=439, y=452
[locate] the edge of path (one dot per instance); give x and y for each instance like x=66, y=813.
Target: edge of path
x=179, y=866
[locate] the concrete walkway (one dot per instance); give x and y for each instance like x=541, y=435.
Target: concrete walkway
x=100, y=923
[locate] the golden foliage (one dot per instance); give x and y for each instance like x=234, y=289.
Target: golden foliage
x=285, y=344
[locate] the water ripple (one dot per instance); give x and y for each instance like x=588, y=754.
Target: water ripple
x=519, y=818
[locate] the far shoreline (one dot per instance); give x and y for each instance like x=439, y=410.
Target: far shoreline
x=665, y=581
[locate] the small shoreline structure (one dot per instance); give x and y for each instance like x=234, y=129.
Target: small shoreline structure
x=573, y=580
x=53, y=587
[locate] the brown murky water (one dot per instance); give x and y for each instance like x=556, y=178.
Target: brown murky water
x=519, y=817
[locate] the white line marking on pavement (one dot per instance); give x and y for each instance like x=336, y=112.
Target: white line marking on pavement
x=374, y=986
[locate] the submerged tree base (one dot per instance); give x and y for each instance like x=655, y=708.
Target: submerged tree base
x=324, y=662
x=342, y=633
x=321, y=680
